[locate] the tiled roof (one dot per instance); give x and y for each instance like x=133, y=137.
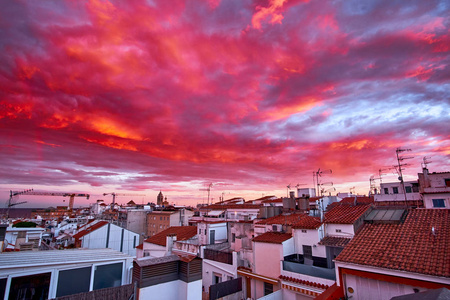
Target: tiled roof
x=279, y=200
x=359, y=200
x=272, y=237
x=231, y=206
x=410, y=246
x=307, y=222
x=263, y=198
x=182, y=233
x=89, y=229
x=345, y=214
x=335, y=241
x=282, y=219
x=186, y=257
x=304, y=282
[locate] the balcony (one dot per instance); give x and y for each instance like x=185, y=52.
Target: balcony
x=219, y=256
x=297, y=265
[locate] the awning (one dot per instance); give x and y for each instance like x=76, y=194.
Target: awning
x=257, y=276
x=215, y=213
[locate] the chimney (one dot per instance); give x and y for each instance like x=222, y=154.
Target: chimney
x=170, y=239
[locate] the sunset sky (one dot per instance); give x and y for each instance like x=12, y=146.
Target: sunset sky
x=140, y=96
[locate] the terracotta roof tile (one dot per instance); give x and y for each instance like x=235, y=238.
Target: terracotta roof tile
x=359, y=200
x=279, y=200
x=345, y=214
x=410, y=246
x=272, y=237
x=307, y=222
x=282, y=219
x=304, y=282
x=182, y=232
x=335, y=241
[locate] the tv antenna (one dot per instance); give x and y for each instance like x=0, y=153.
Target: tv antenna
x=316, y=176
x=399, y=168
x=208, y=189
x=425, y=162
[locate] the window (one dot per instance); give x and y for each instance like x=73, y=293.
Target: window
x=106, y=276
x=338, y=230
x=304, y=231
x=30, y=287
x=447, y=181
x=438, y=203
x=268, y=288
x=73, y=281
x=408, y=189
x=160, y=218
x=217, y=278
x=395, y=190
x=386, y=191
x=205, y=231
x=233, y=237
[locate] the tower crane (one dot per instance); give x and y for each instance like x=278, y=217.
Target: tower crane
x=43, y=193
x=116, y=194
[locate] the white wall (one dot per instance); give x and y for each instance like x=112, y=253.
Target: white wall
x=267, y=259
x=97, y=239
x=154, y=250
x=288, y=247
x=310, y=238
x=428, y=200
x=173, y=290
x=220, y=230
x=370, y=289
x=346, y=230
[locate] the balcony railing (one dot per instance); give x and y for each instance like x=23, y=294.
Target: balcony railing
x=301, y=268
x=220, y=256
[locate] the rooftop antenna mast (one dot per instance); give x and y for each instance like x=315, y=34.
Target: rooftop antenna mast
x=11, y=203
x=316, y=176
x=208, y=189
x=400, y=159
x=288, y=188
x=425, y=162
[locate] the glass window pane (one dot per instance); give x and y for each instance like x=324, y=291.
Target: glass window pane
x=108, y=276
x=73, y=281
x=32, y=287
x=2, y=287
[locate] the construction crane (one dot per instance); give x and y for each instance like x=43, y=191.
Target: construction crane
x=43, y=193
x=116, y=194
x=10, y=203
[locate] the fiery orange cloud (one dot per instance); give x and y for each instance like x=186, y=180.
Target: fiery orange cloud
x=109, y=127
x=304, y=105
x=113, y=144
x=272, y=12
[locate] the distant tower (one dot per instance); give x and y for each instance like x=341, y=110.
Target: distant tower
x=160, y=199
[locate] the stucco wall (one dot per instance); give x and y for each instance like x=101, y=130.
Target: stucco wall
x=310, y=238
x=173, y=290
x=267, y=259
x=370, y=289
x=347, y=230
x=98, y=239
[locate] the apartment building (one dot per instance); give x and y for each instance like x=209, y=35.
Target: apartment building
x=160, y=220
